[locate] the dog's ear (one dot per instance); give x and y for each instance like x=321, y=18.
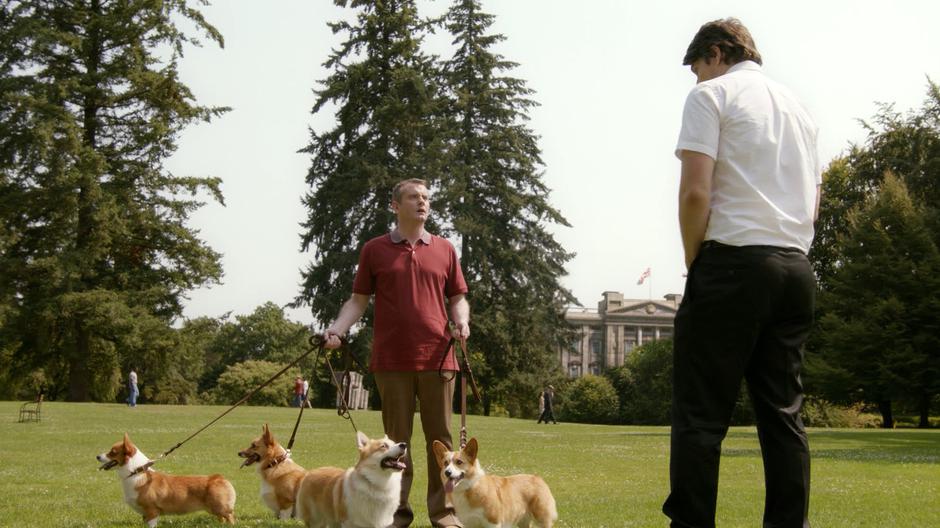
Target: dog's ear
x=266, y=436
x=129, y=448
x=471, y=449
x=361, y=439
x=440, y=451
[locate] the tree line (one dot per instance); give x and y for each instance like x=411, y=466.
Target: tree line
x=97, y=250
x=97, y=254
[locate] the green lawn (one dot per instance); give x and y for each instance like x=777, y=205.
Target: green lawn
x=600, y=475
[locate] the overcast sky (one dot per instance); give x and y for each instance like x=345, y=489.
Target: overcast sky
x=609, y=78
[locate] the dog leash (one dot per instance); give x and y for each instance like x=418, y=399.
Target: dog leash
x=466, y=377
x=342, y=407
x=246, y=397
x=319, y=345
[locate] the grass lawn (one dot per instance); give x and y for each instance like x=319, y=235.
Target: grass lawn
x=601, y=476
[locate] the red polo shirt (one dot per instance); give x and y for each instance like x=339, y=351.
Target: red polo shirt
x=411, y=285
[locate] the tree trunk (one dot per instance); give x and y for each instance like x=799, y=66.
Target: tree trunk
x=924, y=409
x=887, y=418
x=79, y=375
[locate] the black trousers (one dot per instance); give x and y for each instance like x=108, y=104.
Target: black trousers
x=745, y=314
x=547, y=415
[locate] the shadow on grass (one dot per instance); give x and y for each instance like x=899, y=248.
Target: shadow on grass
x=196, y=520
x=886, y=447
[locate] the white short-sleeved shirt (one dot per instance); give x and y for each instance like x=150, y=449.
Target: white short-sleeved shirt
x=766, y=162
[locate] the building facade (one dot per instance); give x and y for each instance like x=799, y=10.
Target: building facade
x=606, y=336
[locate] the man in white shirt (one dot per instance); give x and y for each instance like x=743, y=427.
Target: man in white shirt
x=748, y=198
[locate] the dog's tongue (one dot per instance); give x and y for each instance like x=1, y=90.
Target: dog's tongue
x=449, y=485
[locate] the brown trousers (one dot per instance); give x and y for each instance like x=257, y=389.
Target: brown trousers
x=399, y=391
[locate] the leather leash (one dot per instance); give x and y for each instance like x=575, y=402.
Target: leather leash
x=246, y=397
x=466, y=378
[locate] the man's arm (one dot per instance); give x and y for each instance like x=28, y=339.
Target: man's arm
x=695, y=189
x=818, y=199
x=460, y=314
x=351, y=311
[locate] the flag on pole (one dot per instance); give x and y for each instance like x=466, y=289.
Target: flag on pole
x=643, y=276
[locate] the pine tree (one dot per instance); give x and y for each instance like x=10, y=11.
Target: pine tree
x=908, y=147
x=96, y=251
x=495, y=200
x=881, y=327
x=383, y=91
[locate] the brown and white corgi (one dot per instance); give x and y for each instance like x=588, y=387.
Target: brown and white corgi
x=280, y=475
x=363, y=496
x=488, y=501
x=152, y=493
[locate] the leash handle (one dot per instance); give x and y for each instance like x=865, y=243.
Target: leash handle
x=466, y=372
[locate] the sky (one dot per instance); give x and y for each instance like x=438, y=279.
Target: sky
x=609, y=80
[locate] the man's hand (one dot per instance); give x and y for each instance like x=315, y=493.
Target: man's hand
x=332, y=339
x=460, y=314
x=460, y=330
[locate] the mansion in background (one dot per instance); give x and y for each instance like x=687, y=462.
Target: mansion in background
x=607, y=335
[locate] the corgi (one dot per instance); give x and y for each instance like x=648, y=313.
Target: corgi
x=363, y=496
x=488, y=501
x=152, y=493
x=280, y=475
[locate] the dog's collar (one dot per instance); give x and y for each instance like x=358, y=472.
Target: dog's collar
x=278, y=459
x=141, y=469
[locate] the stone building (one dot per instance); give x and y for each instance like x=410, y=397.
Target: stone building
x=607, y=335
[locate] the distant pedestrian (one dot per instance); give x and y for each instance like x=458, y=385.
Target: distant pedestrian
x=307, y=394
x=298, y=391
x=133, y=393
x=548, y=396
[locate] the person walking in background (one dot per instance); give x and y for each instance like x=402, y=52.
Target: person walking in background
x=132, y=392
x=416, y=280
x=307, y=394
x=748, y=197
x=541, y=402
x=548, y=397
x=298, y=391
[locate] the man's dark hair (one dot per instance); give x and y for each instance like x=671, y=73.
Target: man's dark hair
x=731, y=37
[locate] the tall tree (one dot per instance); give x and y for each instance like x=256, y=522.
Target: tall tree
x=496, y=202
x=264, y=335
x=881, y=328
x=96, y=251
x=907, y=146
x=385, y=101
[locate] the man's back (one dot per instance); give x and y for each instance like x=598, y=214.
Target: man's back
x=766, y=168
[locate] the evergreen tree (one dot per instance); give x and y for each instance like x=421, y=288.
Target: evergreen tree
x=385, y=101
x=96, y=251
x=908, y=146
x=495, y=201
x=881, y=328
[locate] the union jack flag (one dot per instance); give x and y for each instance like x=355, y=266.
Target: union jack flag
x=643, y=276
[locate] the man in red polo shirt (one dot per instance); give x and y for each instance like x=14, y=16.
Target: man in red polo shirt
x=415, y=277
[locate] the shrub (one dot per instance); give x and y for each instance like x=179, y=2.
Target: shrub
x=821, y=413
x=239, y=379
x=644, y=384
x=590, y=399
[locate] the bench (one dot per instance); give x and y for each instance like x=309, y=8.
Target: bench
x=31, y=411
